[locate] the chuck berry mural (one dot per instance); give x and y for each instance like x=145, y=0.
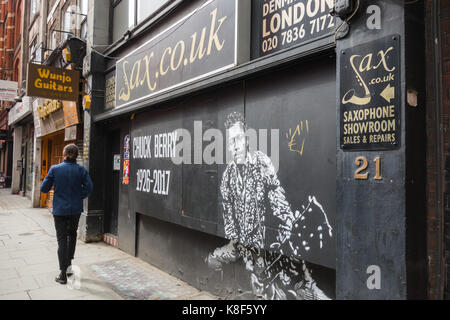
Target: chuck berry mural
x=252, y=195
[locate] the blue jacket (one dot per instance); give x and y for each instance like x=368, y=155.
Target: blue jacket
x=72, y=184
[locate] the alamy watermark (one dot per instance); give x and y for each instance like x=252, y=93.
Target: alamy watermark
x=208, y=147
x=374, y=280
x=73, y=277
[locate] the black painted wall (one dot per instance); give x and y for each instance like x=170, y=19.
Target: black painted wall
x=382, y=223
x=182, y=252
x=178, y=232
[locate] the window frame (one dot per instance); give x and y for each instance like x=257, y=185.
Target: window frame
x=34, y=14
x=83, y=18
x=52, y=29
x=136, y=23
x=66, y=12
x=33, y=48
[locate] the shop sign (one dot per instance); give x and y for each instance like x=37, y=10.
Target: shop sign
x=110, y=91
x=37, y=123
x=70, y=113
x=8, y=90
x=126, y=160
x=54, y=115
x=116, y=162
x=370, y=95
x=70, y=133
x=19, y=111
x=279, y=25
x=202, y=43
x=47, y=108
x=52, y=83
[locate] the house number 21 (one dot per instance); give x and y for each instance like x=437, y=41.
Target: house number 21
x=363, y=164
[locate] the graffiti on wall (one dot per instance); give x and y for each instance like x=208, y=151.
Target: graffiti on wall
x=251, y=194
x=296, y=137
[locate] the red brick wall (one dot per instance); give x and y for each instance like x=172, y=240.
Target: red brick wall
x=8, y=41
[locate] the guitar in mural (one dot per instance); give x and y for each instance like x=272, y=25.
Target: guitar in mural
x=251, y=191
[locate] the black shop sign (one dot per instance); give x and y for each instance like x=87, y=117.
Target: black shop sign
x=370, y=96
x=279, y=25
x=200, y=44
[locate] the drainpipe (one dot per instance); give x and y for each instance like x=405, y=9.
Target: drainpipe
x=439, y=173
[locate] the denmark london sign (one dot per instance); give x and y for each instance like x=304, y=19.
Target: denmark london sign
x=370, y=96
x=278, y=25
x=52, y=83
x=200, y=44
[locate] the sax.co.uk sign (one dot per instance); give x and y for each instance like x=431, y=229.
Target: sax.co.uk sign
x=202, y=43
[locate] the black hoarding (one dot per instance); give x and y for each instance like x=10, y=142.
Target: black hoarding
x=202, y=43
x=370, y=96
x=271, y=186
x=278, y=25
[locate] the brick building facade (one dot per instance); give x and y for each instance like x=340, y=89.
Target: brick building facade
x=10, y=70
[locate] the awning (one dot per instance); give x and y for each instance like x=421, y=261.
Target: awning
x=19, y=111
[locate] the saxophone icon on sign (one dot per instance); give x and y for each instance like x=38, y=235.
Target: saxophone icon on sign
x=367, y=64
x=350, y=96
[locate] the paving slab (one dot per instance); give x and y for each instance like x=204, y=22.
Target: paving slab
x=29, y=264
x=46, y=280
x=36, y=269
x=22, y=295
x=12, y=263
x=17, y=285
x=6, y=274
x=35, y=252
x=60, y=292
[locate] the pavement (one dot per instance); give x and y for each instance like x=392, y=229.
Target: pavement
x=29, y=264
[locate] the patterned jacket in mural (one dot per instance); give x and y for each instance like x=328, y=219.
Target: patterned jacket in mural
x=249, y=196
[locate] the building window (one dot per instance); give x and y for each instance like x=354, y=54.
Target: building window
x=53, y=39
x=18, y=26
x=34, y=8
x=146, y=8
x=67, y=22
x=16, y=76
x=121, y=20
x=129, y=13
x=84, y=12
x=33, y=51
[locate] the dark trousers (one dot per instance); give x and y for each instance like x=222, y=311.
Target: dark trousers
x=66, y=234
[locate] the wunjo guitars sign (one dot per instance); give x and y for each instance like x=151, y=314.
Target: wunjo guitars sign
x=52, y=83
x=278, y=25
x=370, y=96
x=200, y=44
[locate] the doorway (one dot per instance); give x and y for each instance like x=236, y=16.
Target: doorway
x=112, y=182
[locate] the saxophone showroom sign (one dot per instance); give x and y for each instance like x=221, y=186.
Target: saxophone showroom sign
x=203, y=43
x=370, y=96
x=52, y=83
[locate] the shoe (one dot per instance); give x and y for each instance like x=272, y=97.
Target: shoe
x=69, y=273
x=62, y=278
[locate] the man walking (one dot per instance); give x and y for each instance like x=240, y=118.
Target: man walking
x=72, y=184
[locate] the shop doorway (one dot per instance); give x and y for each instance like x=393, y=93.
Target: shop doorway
x=112, y=179
x=23, y=165
x=52, y=153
